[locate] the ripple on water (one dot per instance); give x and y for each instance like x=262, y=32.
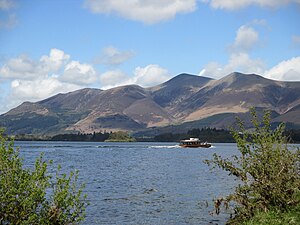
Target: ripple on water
x=141, y=183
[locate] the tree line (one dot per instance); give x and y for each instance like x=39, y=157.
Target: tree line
x=93, y=137
x=213, y=135
x=119, y=136
x=204, y=134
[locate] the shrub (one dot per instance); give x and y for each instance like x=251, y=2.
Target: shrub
x=120, y=136
x=268, y=169
x=33, y=196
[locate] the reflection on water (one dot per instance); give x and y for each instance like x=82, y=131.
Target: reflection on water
x=141, y=183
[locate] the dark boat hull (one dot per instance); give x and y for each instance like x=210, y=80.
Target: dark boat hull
x=196, y=146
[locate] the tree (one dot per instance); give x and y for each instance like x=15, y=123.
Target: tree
x=269, y=171
x=120, y=136
x=32, y=196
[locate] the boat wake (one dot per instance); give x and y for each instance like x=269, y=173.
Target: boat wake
x=164, y=146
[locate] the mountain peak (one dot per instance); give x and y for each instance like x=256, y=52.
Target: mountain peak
x=187, y=79
x=238, y=76
x=236, y=79
x=183, y=85
x=26, y=107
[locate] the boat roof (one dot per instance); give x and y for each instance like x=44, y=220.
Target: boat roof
x=191, y=139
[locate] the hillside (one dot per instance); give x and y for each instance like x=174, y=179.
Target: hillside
x=185, y=101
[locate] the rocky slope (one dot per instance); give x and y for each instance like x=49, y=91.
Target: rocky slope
x=185, y=99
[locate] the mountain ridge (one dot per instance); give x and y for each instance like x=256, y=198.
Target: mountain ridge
x=184, y=98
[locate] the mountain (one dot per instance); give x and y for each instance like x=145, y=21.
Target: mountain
x=237, y=92
x=177, y=90
x=186, y=101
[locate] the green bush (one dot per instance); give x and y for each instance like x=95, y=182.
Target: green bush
x=33, y=196
x=120, y=136
x=268, y=169
x=273, y=217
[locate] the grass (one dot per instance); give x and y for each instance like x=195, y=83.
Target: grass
x=291, y=217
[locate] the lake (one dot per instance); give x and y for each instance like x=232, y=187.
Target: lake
x=141, y=183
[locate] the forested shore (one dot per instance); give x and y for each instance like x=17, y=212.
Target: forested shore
x=212, y=135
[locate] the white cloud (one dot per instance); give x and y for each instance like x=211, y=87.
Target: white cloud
x=288, y=70
x=238, y=4
x=78, y=73
x=150, y=75
x=56, y=59
x=239, y=59
x=147, y=76
x=245, y=40
x=237, y=62
x=7, y=4
x=34, y=90
x=113, y=78
x=113, y=57
x=24, y=67
x=10, y=22
x=147, y=11
x=296, y=41
x=261, y=22
x=33, y=80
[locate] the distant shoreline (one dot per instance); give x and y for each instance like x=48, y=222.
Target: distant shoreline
x=211, y=135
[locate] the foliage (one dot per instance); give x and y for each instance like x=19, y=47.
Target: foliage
x=294, y=135
x=170, y=137
x=205, y=134
x=211, y=134
x=99, y=137
x=268, y=170
x=275, y=217
x=120, y=136
x=32, y=196
x=32, y=123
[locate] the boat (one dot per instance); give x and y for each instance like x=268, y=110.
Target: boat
x=194, y=143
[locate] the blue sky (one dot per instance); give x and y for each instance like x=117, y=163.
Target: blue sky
x=53, y=46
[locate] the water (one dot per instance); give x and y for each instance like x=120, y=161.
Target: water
x=141, y=183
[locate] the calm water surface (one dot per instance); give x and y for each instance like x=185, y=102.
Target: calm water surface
x=141, y=183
